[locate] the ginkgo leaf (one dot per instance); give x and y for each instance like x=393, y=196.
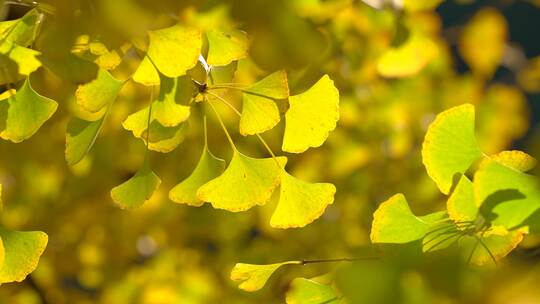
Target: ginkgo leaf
x=490, y=246
x=98, y=93
x=253, y=277
x=442, y=235
x=21, y=253
x=518, y=160
x=208, y=168
x=21, y=31
x=225, y=47
x=461, y=205
x=273, y=86
x=311, y=116
x=134, y=192
x=175, y=49
x=2, y=253
x=80, y=136
x=16, y=62
x=300, y=202
x=245, y=183
x=165, y=109
x=25, y=113
x=259, y=114
x=305, y=291
x=450, y=146
x=392, y=216
x=409, y=58
x=507, y=197
x=146, y=73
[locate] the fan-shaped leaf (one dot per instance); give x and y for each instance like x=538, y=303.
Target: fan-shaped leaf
x=311, y=116
x=225, y=47
x=98, y=93
x=245, y=183
x=305, y=291
x=209, y=167
x=253, y=277
x=490, y=246
x=450, y=146
x=16, y=62
x=23, y=113
x=518, y=160
x=175, y=49
x=460, y=205
x=21, y=31
x=134, y=192
x=165, y=109
x=146, y=73
x=273, y=86
x=21, y=253
x=300, y=203
x=80, y=136
x=259, y=114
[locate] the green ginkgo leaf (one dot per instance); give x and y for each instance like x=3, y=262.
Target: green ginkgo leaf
x=507, y=196
x=392, y=216
x=225, y=47
x=273, y=86
x=450, y=146
x=208, y=168
x=175, y=49
x=518, y=160
x=300, y=202
x=253, y=277
x=98, y=93
x=146, y=73
x=311, y=116
x=461, y=205
x=259, y=114
x=21, y=31
x=491, y=245
x=80, y=136
x=23, y=113
x=305, y=291
x=165, y=109
x=21, y=253
x=16, y=62
x=134, y=192
x=245, y=183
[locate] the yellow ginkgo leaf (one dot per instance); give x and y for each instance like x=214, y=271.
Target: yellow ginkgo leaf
x=22, y=250
x=2, y=253
x=98, y=93
x=259, y=114
x=175, y=49
x=497, y=242
x=166, y=109
x=253, y=277
x=22, y=114
x=245, y=183
x=209, y=167
x=518, y=160
x=461, y=205
x=146, y=73
x=225, y=47
x=311, y=116
x=134, y=192
x=409, y=58
x=273, y=86
x=300, y=203
x=16, y=62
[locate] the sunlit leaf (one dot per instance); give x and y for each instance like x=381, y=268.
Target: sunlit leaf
x=22, y=251
x=253, y=277
x=311, y=116
x=273, y=86
x=16, y=62
x=305, y=291
x=146, y=73
x=450, y=146
x=300, y=203
x=518, y=160
x=98, y=93
x=80, y=136
x=208, y=168
x=175, y=49
x=134, y=192
x=461, y=205
x=259, y=114
x=409, y=58
x=245, y=183
x=490, y=246
x=165, y=109
x=21, y=31
x=22, y=114
x=226, y=46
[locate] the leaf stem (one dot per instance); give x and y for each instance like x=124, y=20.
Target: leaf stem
x=149, y=118
x=305, y=262
x=223, y=126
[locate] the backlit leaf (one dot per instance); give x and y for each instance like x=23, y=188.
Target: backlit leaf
x=300, y=203
x=226, y=46
x=208, y=168
x=311, y=116
x=253, y=277
x=259, y=114
x=134, y=192
x=98, y=93
x=305, y=291
x=245, y=183
x=16, y=62
x=273, y=86
x=450, y=146
x=175, y=49
x=518, y=160
x=22, y=114
x=499, y=243
x=461, y=205
x=21, y=31
x=22, y=251
x=165, y=109
x=146, y=73
x=80, y=136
